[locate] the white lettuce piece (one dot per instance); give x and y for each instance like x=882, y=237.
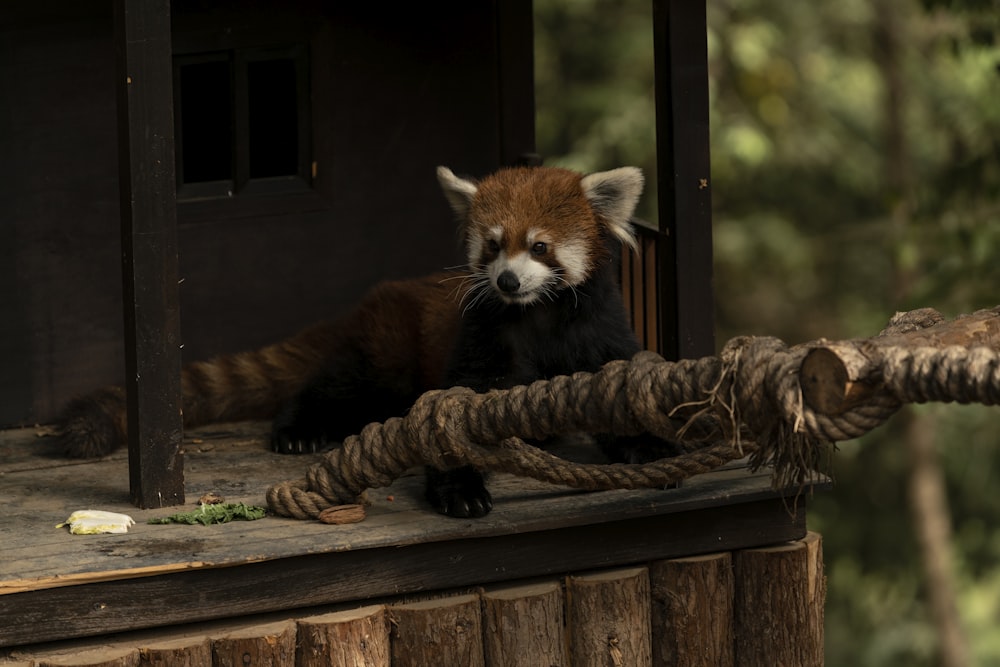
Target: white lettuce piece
x=93, y=522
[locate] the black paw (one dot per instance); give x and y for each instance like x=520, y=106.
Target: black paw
x=287, y=443
x=639, y=449
x=460, y=492
x=298, y=431
x=291, y=437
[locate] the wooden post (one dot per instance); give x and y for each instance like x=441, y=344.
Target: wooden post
x=446, y=631
x=352, y=638
x=692, y=611
x=149, y=251
x=780, y=593
x=523, y=625
x=515, y=80
x=680, y=42
x=608, y=619
x=183, y=652
x=272, y=644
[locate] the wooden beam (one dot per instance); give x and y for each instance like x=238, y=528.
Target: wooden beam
x=683, y=179
x=107, y=606
x=149, y=251
x=837, y=376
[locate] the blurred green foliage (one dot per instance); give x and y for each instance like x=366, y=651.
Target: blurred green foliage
x=832, y=211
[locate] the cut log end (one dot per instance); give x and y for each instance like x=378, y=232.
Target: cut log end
x=832, y=379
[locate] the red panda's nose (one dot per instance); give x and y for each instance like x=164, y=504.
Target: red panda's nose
x=508, y=282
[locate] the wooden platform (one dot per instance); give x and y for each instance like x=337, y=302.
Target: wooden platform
x=54, y=585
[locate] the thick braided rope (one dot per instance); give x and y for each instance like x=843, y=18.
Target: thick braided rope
x=748, y=395
x=906, y=375
x=459, y=427
x=947, y=374
x=762, y=375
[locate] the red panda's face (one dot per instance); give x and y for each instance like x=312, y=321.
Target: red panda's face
x=531, y=232
x=524, y=266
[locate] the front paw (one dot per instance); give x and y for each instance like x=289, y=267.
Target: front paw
x=295, y=436
x=639, y=449
x=460, y=492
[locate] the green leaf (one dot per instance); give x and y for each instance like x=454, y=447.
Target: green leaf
x=220, y=513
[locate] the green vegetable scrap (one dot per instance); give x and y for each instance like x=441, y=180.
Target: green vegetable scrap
x=220, y=513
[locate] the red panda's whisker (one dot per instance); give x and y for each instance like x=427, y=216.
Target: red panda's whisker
x=479, y=296
x=478, y=290
x=568, y=285
x=463, y=287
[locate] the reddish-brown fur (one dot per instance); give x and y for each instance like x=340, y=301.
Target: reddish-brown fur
x=402, y=332
x=410, y=325
x=519, y=199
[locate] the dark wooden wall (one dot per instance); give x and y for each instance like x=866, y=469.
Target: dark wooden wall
x=393, y=94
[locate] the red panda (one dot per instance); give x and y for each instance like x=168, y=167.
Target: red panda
x=539, y=297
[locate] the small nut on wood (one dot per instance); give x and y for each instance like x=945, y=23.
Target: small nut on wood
x=211, y=498
x=342, y=514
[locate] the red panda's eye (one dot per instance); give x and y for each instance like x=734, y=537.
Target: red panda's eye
x=539, y=248
x=493, y=246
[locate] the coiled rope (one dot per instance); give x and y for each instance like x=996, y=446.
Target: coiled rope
x=747, y=401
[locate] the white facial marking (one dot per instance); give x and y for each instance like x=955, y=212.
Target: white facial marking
x=532, y=275
x=572, y=256
x=474, y=246
x=535, y=235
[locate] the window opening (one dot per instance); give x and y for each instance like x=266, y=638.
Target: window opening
x=273, y=118
x=204, y=100
x=241, y=122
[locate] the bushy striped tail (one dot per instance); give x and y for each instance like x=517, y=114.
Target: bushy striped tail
x=234, y=387
x=93, y=425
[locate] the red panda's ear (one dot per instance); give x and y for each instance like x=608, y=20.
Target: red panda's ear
x=613, y=196
x=458, y=191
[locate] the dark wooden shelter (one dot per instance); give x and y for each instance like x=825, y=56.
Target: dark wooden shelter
x=214, y=175
x=324, y=185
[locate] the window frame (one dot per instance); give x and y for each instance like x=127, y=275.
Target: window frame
x=241, y=183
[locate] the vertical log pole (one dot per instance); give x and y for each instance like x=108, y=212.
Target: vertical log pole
x=93, y=658
x=184, y=652
x=354, y=638
x=680, y=43
x=445, y=631
x=523, y=625
x=780, y=592
x=149, y=251
x=608, y=619
x=272, y=644
x=692, y=611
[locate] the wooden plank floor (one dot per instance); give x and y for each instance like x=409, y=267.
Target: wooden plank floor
x=55, y=585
